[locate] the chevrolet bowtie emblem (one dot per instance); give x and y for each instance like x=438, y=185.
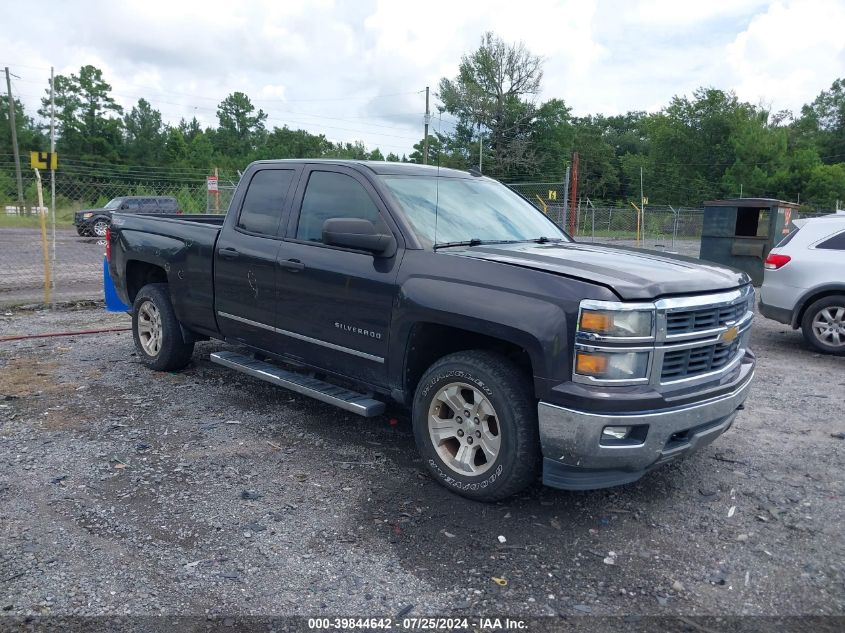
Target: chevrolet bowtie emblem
x=729, y=335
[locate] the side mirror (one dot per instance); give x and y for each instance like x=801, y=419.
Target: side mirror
x=359, y=234
x=124, y=206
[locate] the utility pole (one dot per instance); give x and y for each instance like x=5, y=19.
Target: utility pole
x=642, y=201
x=427, y=121
x=565, y=194
x=53, y=175
x=573, y=193
x=15, y=152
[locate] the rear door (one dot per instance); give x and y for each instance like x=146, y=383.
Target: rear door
x=245, y=259
x=335, y=303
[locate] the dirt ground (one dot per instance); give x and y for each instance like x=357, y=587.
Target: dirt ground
x=205, y=492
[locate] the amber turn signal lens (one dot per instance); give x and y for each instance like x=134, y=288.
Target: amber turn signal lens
x=596, y=321
x=590, y=364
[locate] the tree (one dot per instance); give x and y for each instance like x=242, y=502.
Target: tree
x=824, y=120
x=86, y=114
x=552, y=136
x=29, y=135
x=144, y=136
x=826, y=185
x=241, y=128
x=175, y=147
x=488, y=93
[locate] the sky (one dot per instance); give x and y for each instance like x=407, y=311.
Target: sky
x=357, y=69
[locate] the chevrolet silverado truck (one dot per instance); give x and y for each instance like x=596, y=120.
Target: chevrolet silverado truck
x=518, y=350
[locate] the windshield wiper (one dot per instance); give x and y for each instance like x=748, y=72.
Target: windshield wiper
x=476, y=242
x=473, y=242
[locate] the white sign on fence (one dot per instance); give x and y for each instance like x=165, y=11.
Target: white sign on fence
x=212, y=184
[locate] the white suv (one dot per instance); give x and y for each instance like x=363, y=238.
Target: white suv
x=804, y=282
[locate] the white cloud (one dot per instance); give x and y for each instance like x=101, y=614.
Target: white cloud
x=327, y=65
x=789, y=53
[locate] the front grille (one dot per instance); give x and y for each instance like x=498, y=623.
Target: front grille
x=686, y=363
x=705, y=318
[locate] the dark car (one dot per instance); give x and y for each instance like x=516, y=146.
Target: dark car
x=515, y=348
x=95, y=221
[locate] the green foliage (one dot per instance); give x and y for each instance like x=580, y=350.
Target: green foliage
x=705, y=145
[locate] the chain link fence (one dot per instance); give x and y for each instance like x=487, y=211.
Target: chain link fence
x=658, y=227
x=69, y=266
x=59, y=264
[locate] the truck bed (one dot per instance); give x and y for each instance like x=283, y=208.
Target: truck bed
x=180, y=245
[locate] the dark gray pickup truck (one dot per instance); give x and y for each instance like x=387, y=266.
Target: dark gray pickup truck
x=517, y=349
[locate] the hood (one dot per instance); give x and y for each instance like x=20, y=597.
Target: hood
x=633, y=274
x=99, y=211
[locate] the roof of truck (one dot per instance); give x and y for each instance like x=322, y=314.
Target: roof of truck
x=378, y=167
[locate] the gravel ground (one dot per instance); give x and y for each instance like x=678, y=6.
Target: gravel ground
x=205, y=492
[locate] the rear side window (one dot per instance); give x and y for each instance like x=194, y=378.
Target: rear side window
x=167, y=204
x=788, y=238
x=334, y=195
x=835, y=243
x=264, y=201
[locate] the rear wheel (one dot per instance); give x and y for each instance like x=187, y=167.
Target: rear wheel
x=155, y=328
x=823, y=324
x=475, y=425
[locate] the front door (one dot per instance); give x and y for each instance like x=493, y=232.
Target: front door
x=245, y=260
x=335, y=303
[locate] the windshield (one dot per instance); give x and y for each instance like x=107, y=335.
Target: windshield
x=468, y=209
x=114, y=203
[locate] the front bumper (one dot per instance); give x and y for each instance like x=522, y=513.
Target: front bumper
x=575, y=459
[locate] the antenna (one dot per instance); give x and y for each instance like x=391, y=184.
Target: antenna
x=437, y=177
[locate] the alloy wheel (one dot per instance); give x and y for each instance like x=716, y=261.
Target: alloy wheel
x=464, y=429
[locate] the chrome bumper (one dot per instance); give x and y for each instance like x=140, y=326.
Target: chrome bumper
x=575, y=459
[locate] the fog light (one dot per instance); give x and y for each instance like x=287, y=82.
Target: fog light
x=616, y=432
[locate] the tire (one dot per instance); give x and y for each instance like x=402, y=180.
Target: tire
x=485, y=382
x=156, y=331
x=80, y=231
x=99, y=227
x=823, y=325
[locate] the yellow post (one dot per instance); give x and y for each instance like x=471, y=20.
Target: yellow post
x=638, y=222
x=545, y=207
x=45, y=250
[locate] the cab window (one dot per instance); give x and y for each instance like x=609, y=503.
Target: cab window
x=264, y=201
x=334, y=195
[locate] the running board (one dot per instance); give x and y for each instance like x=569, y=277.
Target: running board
x=307, y=386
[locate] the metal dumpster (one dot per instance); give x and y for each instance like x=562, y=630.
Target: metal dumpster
x=741, y=232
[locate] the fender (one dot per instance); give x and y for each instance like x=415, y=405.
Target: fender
x=802, y=302
x=537, y=325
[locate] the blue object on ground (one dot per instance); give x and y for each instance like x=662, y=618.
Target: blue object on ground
x=113, y=302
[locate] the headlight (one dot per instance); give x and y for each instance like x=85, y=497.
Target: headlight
x=612, y=365
x=627, y=323
x=87, y=215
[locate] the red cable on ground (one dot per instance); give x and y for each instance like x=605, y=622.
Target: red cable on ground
x=52, y=334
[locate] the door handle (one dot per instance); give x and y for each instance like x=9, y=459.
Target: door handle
x=228, y=253
x=293, y=265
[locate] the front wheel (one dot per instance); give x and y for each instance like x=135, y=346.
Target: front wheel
x=100, y=227
x=155, y=328
x=823, y=325
x=475, y=425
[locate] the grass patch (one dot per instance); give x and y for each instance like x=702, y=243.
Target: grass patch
x=64, y=217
